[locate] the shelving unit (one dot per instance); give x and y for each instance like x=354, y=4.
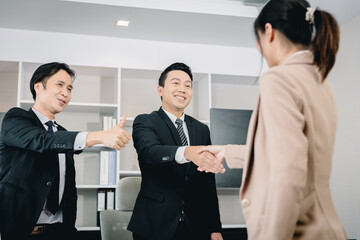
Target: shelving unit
x=114, y=91
x=88, y=228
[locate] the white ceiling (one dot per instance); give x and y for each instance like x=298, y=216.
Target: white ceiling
x=214, y=22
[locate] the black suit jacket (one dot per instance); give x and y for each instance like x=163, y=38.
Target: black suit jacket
x=28, y=154
x=166, y=184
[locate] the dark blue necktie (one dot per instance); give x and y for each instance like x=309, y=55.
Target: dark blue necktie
x=52, y=203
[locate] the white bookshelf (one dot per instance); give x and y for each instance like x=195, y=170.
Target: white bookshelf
x=106, y=109
x=88, y=228
x=95, y=186
x=115, y=91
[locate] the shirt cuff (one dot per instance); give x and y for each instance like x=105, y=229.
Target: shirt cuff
x=80, y=141
x=179, y=156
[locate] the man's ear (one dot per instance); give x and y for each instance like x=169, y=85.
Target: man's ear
x=269, y=32
x=37, y=86
x=160, y=90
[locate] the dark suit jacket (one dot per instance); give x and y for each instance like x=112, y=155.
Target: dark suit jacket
x=28, y=154
x=165, y=183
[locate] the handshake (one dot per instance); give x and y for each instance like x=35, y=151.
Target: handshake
x=207, y=158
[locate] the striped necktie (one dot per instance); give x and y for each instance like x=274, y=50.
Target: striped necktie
x=180, y=130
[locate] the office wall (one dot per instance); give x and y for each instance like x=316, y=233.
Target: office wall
x=24, y=45
x=345, y=80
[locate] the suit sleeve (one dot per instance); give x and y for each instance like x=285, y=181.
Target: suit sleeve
x=235, y=155
x=286, y=145
x=148, y=144
x=20, y=131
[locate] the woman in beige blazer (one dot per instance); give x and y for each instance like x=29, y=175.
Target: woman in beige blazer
x=285, y=191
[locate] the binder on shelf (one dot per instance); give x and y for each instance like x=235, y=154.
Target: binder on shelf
x=104, y=168
x=112, y=168
x=110, y=199
x=101, y=204
x=106, y=125
x=107, y=168
x=108, y=122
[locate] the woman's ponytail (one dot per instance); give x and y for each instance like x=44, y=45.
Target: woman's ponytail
x=326, y=41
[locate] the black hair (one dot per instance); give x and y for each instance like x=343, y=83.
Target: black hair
x=45, y=71
x=288, y=17
x=175, y=66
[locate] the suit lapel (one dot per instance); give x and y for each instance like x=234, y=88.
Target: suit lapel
x=191, y=130
x=37, y=120
x=191, y=168
x=171, y=126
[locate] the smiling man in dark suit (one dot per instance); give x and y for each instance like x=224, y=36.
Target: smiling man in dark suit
x=175, y=200
x=37, y=174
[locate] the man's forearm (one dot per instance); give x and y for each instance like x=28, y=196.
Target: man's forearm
x=94, y=138
x=115, y=138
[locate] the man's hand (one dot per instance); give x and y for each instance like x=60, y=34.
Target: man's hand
x=216, y=236
x=203, y=159
x=115, y=138
x=217, y=150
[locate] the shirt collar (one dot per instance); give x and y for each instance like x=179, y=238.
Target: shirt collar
x=43, y=119
x=173, y=117
x=296, y=54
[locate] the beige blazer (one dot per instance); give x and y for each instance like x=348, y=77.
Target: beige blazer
x=285, y=191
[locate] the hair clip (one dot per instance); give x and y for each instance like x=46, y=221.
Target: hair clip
x=309, y=15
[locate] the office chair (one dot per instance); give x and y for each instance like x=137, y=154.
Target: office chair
x=113, y=223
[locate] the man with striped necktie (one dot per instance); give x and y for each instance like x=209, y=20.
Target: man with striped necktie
x=175, y=200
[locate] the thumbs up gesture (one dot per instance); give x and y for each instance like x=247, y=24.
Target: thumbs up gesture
x=115, y=138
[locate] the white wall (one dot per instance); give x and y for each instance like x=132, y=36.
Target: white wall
x=23, y=45
x=345, y=80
